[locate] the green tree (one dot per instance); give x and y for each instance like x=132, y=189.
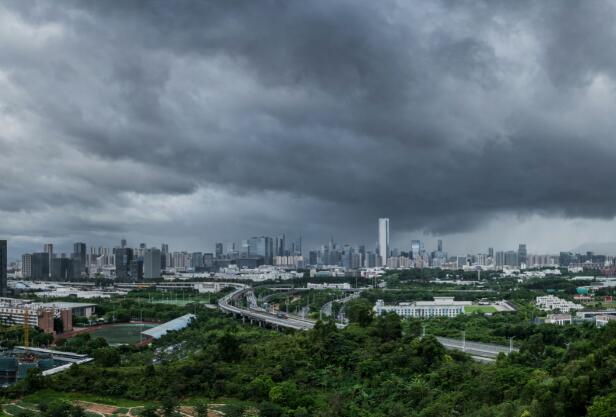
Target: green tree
x=106, y=356
x=359, y=311
x=201, y=409
x=149, y=411
x=603, y=406
x=169, y=407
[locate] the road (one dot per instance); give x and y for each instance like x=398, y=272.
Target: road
x=226, y=304
x=482, y=352
x=486, y=351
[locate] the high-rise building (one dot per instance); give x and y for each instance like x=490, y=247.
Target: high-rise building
x=40, y=266
x=136, y=270
x=79, y=254
x=522, y=254
x=26, y=265
x=3, y=268
x=511, y=258
x=491, y=252
x=48, y=248
x=196, y=261
x=415, y=249
x=262, y=246
x=62, y=269
x=123, y=259
x=123, y=243
x=151, y=263
x=384, y=240
x=219, y=250
x=440, y=245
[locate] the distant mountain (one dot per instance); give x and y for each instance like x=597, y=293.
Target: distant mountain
x=601, y=248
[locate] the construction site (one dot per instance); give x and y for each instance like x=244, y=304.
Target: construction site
x=23, y=314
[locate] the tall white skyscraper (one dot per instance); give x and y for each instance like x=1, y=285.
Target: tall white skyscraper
x=384, y=240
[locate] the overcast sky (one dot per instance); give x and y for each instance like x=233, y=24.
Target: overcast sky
x=189, y=122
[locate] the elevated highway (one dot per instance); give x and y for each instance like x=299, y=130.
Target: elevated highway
x=482, y=352
x=226, y=304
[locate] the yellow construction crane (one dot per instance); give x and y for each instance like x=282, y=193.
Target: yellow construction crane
x=26, y=328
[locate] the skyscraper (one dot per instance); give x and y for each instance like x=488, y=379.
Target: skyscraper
x=123, y=259
x=48, y=248
x=79, y=254
x=384, y=240
x=3, y=268
x=262, y=246
x=440, y=245
x=40, y=266
x=522, y=254
x=219, y=250
x=151, y=263
x=415, y=249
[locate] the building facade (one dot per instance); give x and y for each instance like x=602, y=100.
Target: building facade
x=384, y=240
x=440, y=307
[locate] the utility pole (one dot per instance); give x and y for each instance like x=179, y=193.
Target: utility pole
x=463, y=340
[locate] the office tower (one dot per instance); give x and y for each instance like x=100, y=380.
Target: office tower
x=48, y=248
x=163, y=261
x=136, y=270
x=62, y=269
x=296, y=249
x=511, y=258
x=3, y=268
x=123, y=259
x=313, y=257
x=566, y=258
x=208, y=261
x=219, y=250
x=196, y=261
x=123, y=243
x=440, y=245
x=164, y=248
x=261, y=246
x=26, y=265
x=79, y=254
x=40, y=266
x=415, y=249
x=384, y=240
x=491, y=252
x=152, y=263
x=522, y=254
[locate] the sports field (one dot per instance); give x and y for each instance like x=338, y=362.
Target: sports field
x=479, y=309
x=118, y=334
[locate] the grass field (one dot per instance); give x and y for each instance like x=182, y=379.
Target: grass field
x=479, y=309
x=122, y=333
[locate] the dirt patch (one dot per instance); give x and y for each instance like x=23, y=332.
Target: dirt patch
x=97, y=408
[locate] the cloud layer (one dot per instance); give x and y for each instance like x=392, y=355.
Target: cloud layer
x=209, y=121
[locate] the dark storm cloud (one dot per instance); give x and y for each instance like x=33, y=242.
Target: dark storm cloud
x=436, y=114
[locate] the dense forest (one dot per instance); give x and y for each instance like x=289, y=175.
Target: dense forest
x=375, y=367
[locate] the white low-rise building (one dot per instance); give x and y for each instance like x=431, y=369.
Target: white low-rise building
x=440, y=307
x=333, y=286
x=603, y=319
x=560, y=319
x=550, y=303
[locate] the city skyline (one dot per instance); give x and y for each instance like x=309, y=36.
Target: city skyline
x=335, y=116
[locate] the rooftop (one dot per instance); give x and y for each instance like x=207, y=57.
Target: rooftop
x=175, y=324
